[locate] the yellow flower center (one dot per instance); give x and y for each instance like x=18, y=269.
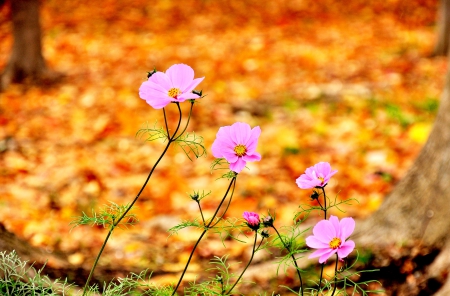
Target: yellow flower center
x=240, y=150
x=174, y=92
x=321, y=179
x=335, y=243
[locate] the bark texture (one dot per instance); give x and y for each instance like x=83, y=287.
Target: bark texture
x=417, y=212
x=418, y=207
x=443, y=29
x=26, y=62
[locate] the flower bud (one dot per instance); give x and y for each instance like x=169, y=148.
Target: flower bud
x=149, y=74
x=195, y=196
x=315, y=195
x=199, y=93
x=252, y=220
x=268, y=221
x=265, y=233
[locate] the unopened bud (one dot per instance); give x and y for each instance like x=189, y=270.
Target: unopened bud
x=198, y=93
x=268, y=221
x=149, y=74
x=315, y=195
x=194, y=196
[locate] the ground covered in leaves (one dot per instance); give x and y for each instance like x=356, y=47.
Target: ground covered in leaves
x=347, y=82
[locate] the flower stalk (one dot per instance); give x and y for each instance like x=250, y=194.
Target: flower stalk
x=115, y=223
x=206, y=228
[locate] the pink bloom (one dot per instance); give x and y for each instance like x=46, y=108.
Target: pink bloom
x=329, y=238
x=237, y=144
x=252, y=219
x=176, y=85
x=316, y=176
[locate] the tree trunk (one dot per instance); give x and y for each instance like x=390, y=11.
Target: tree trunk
x=417, y=212
x=443, y=29
x=418, y=207
x=26, y=61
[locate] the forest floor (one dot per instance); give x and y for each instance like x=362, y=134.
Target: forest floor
x=347, y=82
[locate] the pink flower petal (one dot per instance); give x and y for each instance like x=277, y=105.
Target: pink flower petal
x=155, y=91
x=161, y=80
x=190, y=87
x=254, y=157
x=347, y=226
x=324, y=231
x=180, y=75
x=325, y=257
x=313, y=242
x=315, y=176
x=346, y=248
x=335, y=222
x=238, y=165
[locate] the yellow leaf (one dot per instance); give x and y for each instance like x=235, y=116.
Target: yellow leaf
x=419, y=132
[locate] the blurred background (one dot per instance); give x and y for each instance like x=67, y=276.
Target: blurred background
x=347, y=82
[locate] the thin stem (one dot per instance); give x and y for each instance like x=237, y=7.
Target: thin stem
x=325, y=213
x=207, y=227
x=321, y=274
x=173, y=138
x=187, y=123
x=320, y=204
x=248, y=264
x=97, y=259
x=201, y=212
x=165, y=121
x=335, y=274
x=226, y=209
x=170, y=140
x=293, y=258
x=325, y=202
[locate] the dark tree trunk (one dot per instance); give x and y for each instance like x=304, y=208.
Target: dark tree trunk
x=26, y=61
x=443, y=29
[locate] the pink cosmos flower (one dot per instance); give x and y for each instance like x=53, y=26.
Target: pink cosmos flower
x=252, y=219
x=176, y=85
x=237, y=144
x=330, y=238
x=316, y=176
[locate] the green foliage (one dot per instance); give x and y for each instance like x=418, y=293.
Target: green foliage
x=184, y=224
x=306, y=209
x=18, y=279
x=107, y=217
x=133, y=285
x=152, y=133
x=216, y=285
x=222, y=164
x=345, y=282
x=191, y=144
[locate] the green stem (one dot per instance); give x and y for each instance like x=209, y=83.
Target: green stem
x=335, y=274
x=293, y=258
x=170, y=140
x=97, y=259
x=248, y=264
x=207, y=227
